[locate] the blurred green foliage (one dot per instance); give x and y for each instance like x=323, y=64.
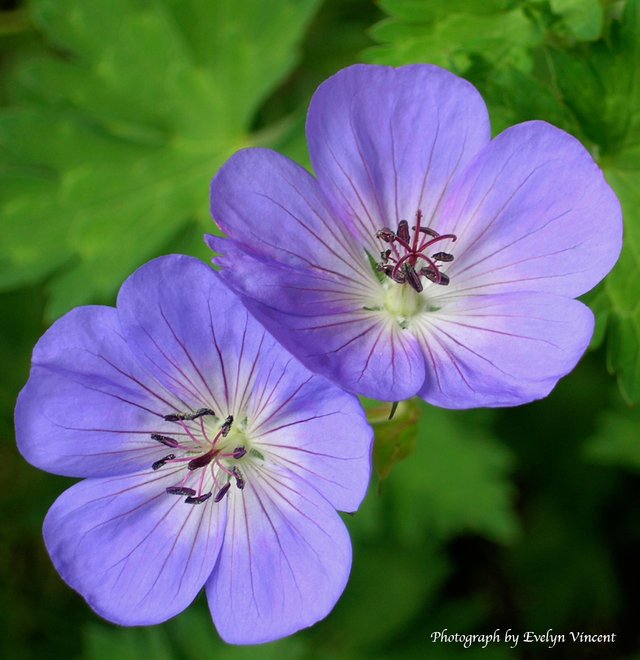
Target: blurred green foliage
x=116, y=114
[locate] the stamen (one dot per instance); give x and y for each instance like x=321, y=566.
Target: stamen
x=222, y=492
x=238, y=475
x=164, y=439
x=202, y=460
x=385, y=234
x=435, y=277
x=198, y=500
x=403, y=231
x=180, y=490
x=176, y=417
x=442, y=256
x=403, y=268
x=158, y=464
x=239, y=452
x=429, y=232
x=412, y=278
x=226, y=427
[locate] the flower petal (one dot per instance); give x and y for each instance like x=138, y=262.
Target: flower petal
x=532, y=212
x=271, y=206
x=136, y=554
x=364, y=351
x=386, y=142
x=89, y=407
x=191, y=331
x=284, y=563
x=316, y=431
x=503, y=349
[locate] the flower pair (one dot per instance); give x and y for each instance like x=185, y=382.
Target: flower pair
x=423, y=259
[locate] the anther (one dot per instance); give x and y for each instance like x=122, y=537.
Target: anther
x=430, y=232
x=436, y=278
x=403, y=231
x=412, y=278
x=158, y=464
x=180, y=490
x=165, y=440
x=202, y=460
x=239, y=452
x=442, y=256
x=226, y=427
x=198, y=500
x=177, y=417
x=222, y=492
x=238, y=475
x=385, y=234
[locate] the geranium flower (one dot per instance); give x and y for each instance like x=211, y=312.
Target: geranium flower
x=425, y=258
x=213, y=458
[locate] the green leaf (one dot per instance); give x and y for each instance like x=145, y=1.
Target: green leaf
x=582, y=19
x=600, y=84
x=457, y=480
x=452, y=34
x=617, y=441
x=395, y=439
x=623, y=347
x=112, y=149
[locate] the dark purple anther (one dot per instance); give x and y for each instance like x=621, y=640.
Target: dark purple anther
x=202, y=460
x=385, y=234
x=403, y=231
x=412, y=278
x=158, y=464
x=239, y=452
x=226, y=427
x=442, y=256
x=164, y=439
x=222, y=492
x=198, y=500
x=238, y=475
x=180, y=490
x=429, y=232
x=435, y=277
x=384, y=255
x=176, y=417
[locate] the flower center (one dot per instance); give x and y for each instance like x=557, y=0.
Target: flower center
x=403, y=304
x=209, y=451
x=406, y=260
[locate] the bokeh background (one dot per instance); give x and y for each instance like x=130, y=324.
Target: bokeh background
x=116, y=114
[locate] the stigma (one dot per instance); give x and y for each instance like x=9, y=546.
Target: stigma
x=406, y=260
x=207, y=453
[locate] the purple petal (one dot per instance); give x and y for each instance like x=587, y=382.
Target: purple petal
x=272, y=207
x=89, y=408
x=136, y=554
x=330, y=333
x=284, y=563
x=191, y=332
x=300, y=291
x=315, y=430
x=503, y=349
x=532, y=212
x=386, y=142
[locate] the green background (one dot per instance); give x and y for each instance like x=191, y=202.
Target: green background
x=116, y=114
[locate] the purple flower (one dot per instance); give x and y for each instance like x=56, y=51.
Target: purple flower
x=213, y=458
x=425, y=258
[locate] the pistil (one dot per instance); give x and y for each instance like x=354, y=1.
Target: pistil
x=211, y=456
x=400, y=261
